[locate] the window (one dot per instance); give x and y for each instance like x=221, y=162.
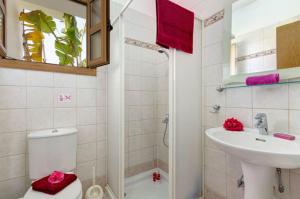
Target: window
x=65, y=34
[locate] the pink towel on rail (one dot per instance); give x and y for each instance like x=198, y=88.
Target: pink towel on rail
x=263, y=79
x=175, y=26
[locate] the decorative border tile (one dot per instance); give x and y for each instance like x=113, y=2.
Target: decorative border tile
x=142, y=44
x=215, y=18
x=256, y=55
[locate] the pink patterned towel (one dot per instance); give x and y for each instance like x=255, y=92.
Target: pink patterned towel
x=56, y=177
x=263, y=79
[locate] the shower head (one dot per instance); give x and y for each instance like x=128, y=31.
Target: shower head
x=164, y=52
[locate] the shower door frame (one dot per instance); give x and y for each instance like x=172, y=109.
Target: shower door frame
x=172, y=112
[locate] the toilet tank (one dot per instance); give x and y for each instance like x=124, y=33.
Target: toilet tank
x=51, y=150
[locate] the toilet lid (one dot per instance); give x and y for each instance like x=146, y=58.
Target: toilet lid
x=73, y=191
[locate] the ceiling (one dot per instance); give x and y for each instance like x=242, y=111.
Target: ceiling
x=201, y=8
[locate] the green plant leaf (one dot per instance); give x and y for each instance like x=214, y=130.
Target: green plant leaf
x=36, y=23
x=38, y=20
x=64, y=59
x=69, y=44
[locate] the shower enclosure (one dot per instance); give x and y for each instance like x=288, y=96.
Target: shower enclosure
x=146, y=119
x=153, y=113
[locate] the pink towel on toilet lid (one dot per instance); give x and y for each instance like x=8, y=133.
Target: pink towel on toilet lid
x=56, y=177
x=175, y=26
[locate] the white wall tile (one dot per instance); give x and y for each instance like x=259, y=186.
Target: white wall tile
x=13, y=188
x=86, y=97
x=239, y=98
x=86, y=152
x=215, y=159
x=213, y=97
x=12, y=144
x=64, y=117
x=12, y=97
x=12, y=167
x=275, y=97
x=86, y=134
x=38, y=97
x=40, y=118
x=147, y=112
x=101, y=115
x=134, y=113
x=233, y=167
x=134, y=127
x=147, y=98
x=215, y=182
x=38, y=78
x=133, y=82
x=101, y=167
x=213, y=54
x=213, y=75
x=67, y=92
x=101, y=149
x=294, y=124
x=85, y=170
x=214, y=119
x=294, y=96
x=101, y=132
x=86, y=116
x=133, y=98
x=213, y=33
x=101, y=78
x=86, y=81
x=294, y=186
x=12, y=120
x=101, y=98
x=12, y=77
x=64, y=80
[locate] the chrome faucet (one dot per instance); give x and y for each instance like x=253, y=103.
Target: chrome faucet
x=262, y=123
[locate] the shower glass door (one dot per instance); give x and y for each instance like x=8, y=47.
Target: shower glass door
x=146, y=110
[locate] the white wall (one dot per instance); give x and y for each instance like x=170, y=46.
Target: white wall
x=279, y=102
x=30, y=102
x=188, y=120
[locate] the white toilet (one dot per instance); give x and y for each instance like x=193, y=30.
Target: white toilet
x=53, y=150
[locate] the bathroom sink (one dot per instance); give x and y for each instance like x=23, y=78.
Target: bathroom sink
x=259, y=155
x=253, y=148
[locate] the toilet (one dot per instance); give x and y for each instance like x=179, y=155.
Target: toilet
x=53, y=150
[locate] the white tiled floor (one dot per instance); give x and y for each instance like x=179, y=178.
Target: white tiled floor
x=145, y=188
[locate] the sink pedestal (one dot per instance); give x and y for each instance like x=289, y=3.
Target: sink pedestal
x=259, y=181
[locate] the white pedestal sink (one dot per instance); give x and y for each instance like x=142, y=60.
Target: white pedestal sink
x=259, y=155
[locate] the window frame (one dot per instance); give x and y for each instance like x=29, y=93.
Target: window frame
x=101, y=27
x=3, y=46
x=90, y=70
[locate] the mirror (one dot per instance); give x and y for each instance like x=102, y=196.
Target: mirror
x=47, y=31
x=264, y=38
